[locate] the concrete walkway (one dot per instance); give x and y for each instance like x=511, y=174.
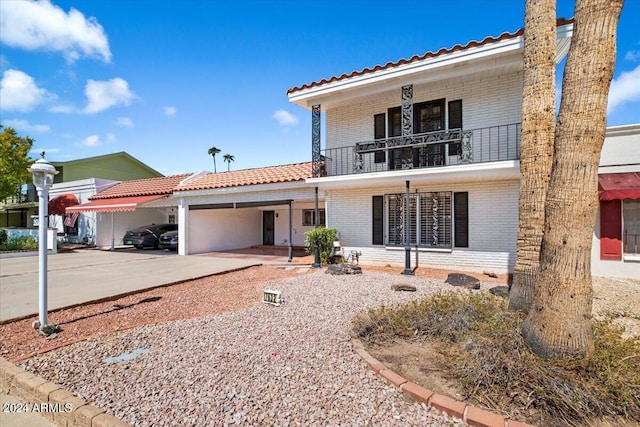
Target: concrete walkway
x=89, y=275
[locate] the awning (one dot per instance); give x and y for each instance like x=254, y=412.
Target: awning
x=618, y=186
x=58, y=204
x=116, y=204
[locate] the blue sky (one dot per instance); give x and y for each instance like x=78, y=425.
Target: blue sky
x=165, y=80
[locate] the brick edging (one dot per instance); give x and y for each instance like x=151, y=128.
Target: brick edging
x=51, y=401
x=470, y=414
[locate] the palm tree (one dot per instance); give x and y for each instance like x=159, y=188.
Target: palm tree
x=228, y=158
x=212, y=152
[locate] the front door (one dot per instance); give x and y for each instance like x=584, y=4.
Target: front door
x=268, y=227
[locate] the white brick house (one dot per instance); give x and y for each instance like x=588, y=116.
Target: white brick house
x=444, y=127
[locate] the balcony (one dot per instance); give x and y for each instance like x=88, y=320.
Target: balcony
x=426, y=150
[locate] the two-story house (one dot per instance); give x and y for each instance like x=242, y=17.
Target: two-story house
x=429, y=145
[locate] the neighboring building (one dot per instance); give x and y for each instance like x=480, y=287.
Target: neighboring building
x=271, y=206
x=616, y=240
x=75, y=182
x=79, y=179
x=443, y=126
x=128, y=205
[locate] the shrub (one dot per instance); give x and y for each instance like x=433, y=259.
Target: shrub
x=487, y=356
x=3, y=236
x=19, y=243
x=324, y=237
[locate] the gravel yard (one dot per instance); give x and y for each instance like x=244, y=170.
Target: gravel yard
x=259, y=365
x=254, y=365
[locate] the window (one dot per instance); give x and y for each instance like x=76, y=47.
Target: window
x=379, y=132
x=428, y=116
x=395, y=122
x=429, y=219
x=631, y=229
x=309, y=217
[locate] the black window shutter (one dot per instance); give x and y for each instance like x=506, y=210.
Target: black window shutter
x=461, y=219
x=379, y=132
x=378, y=220
x=455, y=122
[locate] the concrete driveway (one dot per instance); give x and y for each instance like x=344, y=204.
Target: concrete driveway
x=89, y=275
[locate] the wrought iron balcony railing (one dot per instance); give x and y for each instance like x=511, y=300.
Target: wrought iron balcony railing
x=432, y=149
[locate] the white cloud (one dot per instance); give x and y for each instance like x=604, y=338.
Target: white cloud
x=125, y=121
x=25, y=126
x=111, y=137
x=63, y=109
x=91, y=141
x=170, y=111
x=285, y=118
x=41, y=25
x=632, y=55
x=19, y=92
x=102, y=95
x=626, y=88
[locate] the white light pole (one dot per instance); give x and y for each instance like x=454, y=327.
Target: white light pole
x=43, y=173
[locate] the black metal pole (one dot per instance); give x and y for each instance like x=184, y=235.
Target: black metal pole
x=316, y=249
x=407, y=234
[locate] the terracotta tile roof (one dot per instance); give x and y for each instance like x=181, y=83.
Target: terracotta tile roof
x=416, y=58
x=266, y=175
x=142, y=187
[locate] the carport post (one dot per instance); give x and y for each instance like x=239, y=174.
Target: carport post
x=290, y=234
x=316, y=249
x=112, y=234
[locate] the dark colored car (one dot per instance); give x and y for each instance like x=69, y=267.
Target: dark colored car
x=147, y=235
x=169, y=240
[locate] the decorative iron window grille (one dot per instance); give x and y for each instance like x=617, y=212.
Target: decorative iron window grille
x=430, y=224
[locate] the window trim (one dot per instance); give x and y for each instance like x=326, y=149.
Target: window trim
x=322, y=220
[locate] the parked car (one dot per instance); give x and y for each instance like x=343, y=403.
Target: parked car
x=169, y=240
x=147, y=235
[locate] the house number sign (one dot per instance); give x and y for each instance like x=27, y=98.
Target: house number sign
x=273, y=297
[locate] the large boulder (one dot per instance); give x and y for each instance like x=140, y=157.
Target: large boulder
x=463, y=280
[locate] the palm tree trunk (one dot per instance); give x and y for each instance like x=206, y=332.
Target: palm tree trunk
x=559, y=322
x=536, y=144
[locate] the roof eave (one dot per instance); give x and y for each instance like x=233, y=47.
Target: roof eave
x=448, y=65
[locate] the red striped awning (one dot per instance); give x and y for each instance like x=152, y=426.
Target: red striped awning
x=619, y=186
x=116, y=204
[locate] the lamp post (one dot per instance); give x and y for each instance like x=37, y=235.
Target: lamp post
x=43, y=173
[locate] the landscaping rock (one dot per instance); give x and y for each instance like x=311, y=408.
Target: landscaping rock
x=339, y=269
x=408, y=288
x=463, y=280
x=490, y=274
x=501, y=291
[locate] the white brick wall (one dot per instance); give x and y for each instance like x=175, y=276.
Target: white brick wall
x=493, y=226
x=486, y=102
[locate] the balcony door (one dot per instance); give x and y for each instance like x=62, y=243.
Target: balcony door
x=429, y=117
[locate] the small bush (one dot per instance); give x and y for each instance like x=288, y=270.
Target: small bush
x=3, y=236
x=324, y=237
x=488, y=358
x=19, y=243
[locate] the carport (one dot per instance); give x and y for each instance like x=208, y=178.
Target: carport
x=265, y=214
x=112, y=205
